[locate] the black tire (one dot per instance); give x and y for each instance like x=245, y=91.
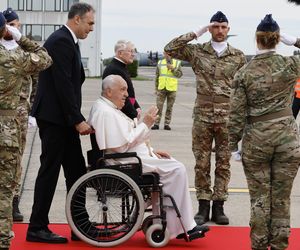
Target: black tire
x=104, y=207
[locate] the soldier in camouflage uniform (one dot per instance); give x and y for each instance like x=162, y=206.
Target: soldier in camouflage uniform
x=27, y=90
x=214, y=63
x=166, y=84
x=13, y=68
x=261, y=115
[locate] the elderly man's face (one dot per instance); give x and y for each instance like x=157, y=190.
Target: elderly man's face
x=127, y=55
x=118, y=93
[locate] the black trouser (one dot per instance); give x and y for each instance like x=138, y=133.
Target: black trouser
x=296, y=106
x=60, y=146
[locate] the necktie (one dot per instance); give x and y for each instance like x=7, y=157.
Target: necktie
x=78, y=51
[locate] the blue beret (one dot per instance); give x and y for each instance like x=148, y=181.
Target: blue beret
x=294, y=1
x=268, y=24
x=2, y=20
x=219, y=17
x=10, y=15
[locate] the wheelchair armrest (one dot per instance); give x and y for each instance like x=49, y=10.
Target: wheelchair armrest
x=120, y=155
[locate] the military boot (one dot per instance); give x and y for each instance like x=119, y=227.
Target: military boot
x=203, y=213
x=218, y=215
x=17, y=216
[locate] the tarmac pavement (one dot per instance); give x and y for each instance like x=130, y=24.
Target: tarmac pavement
x=177, y=141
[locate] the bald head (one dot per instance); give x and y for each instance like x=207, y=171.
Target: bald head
x=114, y=88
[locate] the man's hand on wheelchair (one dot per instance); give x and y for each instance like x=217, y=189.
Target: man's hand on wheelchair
x=84, y=128
x=150, y=116
x=162, y=154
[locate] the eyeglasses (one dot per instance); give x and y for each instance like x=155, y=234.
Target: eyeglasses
x=130, y=51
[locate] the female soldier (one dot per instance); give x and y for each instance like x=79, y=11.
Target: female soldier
x=261, y=114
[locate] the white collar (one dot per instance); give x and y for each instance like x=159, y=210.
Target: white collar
x=110, y=103
x=263, y=51
x=72, y=33
x=119, y=60
x=219, y=47
x=9, y=44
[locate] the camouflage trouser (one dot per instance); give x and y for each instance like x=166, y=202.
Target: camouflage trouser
x=8, y=170
x=162, y=95
x=203, y=134
x=271, y=161
x=22, y=115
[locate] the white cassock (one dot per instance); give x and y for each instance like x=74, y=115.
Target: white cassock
x=115, y=132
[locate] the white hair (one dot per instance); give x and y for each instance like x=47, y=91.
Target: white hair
x=110, y=81
x=123, y=45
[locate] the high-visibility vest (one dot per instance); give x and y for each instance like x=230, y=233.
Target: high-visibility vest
x=166, y=79
x=297, y=88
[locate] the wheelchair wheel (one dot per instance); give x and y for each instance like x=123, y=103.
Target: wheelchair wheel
x=155, y=237
x=146, y=224
x=104, y=207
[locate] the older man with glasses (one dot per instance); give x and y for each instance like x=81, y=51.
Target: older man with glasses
x=124, y=55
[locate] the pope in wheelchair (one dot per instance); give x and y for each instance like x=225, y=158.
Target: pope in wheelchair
x=124, y=186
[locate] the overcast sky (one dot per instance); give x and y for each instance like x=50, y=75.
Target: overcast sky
x=150, y=24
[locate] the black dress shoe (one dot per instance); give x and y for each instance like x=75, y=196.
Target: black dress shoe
x=155, y=127
x=45, y=236
x=167, y=127
x=199, y=229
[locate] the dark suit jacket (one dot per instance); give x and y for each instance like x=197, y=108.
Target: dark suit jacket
x=118, y=68
x=58, y=98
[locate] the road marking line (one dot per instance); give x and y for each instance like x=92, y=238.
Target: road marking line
x=230, y=190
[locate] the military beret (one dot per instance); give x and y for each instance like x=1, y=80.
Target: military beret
x=219, y=17
x=10, y=15
x=2, y=20
x=294, y=1
x=268, y=24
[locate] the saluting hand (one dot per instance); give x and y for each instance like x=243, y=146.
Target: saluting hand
x=200, y=31
x=15, y=33
x=287, y=39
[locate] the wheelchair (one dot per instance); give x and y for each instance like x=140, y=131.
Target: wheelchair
x=107, y=205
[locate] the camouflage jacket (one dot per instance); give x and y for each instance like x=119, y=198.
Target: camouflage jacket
x=214, y=74
x=28, y=89
x=14, y=67
x=264, y=85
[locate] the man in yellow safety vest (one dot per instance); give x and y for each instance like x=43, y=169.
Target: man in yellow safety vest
x=168, y=71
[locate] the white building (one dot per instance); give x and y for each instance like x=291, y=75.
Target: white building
x=40, y=18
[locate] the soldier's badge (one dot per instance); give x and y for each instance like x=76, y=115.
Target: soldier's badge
x=34, y=58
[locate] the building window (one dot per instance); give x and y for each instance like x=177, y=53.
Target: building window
x=68, y=3
x=33, y=31
x=52, y=5
x=35, y=5
x=85, y=61
x=49, y=29
x=16, y=4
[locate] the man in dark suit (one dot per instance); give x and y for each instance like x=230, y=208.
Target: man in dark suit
x=124, y=55
x=57, y=110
